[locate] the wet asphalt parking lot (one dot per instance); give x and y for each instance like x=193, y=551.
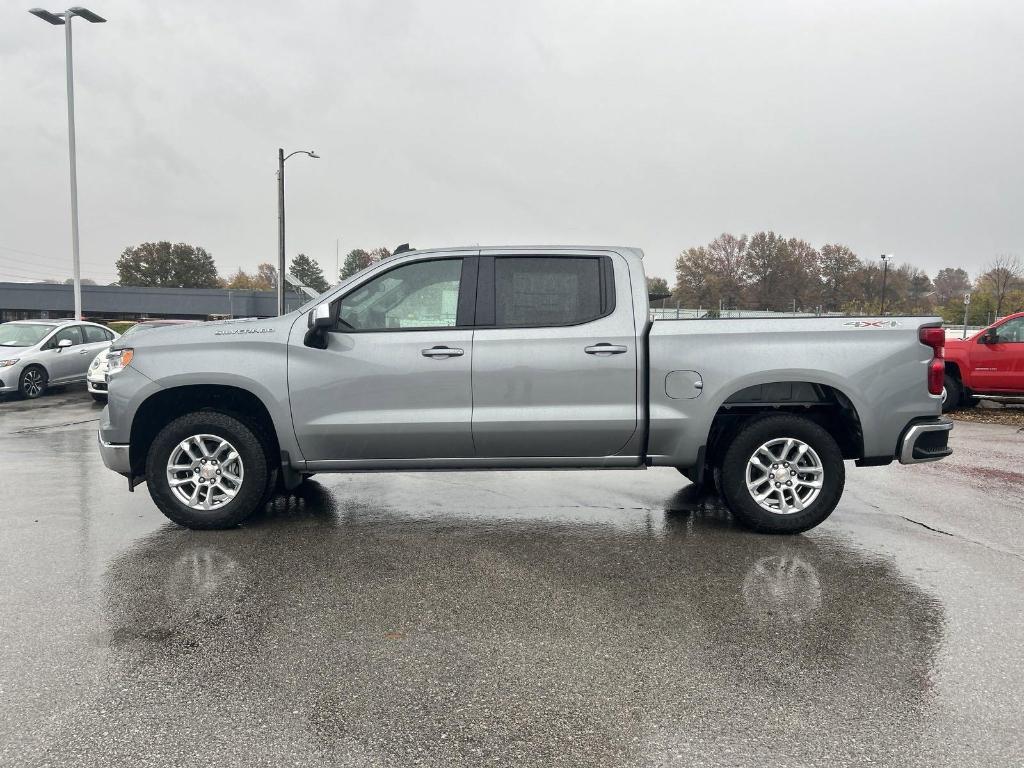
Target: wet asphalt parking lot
x=528, y=619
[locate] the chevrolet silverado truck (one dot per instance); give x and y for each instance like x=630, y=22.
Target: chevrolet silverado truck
x=519, y=358
x=989, y=364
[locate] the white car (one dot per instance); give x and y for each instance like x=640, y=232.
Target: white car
x=96, y=379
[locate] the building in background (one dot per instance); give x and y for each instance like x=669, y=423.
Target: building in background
x=20, y=301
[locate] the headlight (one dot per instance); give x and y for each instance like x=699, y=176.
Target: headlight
x=119, y=359
x=97, y=362
x=7, y=363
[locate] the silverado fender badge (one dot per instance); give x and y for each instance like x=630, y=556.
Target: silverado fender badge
x=873, y=323
x=240, y=331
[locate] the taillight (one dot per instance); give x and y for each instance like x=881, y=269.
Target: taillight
x=936, y=339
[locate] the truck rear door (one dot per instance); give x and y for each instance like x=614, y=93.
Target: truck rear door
x=554, y=355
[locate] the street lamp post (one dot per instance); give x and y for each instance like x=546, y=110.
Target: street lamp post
x=57, y=19
x=885, y=272
x=281, y=157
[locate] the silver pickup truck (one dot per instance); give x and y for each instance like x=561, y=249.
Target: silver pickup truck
x=519, y=358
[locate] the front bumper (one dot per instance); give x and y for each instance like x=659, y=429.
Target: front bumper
x=97, y=386
x=10, y=377
x=925, y=441
x=115, y=456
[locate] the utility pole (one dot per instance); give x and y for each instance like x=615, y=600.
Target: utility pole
x=967, y=305
x=885, y=273
x=57, y=19
x=280, y=232
x=281, y=157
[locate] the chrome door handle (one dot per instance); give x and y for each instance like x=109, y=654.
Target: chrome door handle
x=605, y=349
x=442, y=352
x=84, y=352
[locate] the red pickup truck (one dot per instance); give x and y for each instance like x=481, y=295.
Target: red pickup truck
x=991, y=362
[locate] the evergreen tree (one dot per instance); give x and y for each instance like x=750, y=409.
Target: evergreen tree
x=308, y=272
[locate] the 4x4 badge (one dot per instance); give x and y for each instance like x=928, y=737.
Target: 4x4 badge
x=873, y=323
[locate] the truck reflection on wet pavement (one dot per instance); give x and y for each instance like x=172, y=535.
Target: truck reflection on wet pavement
x=532, y=618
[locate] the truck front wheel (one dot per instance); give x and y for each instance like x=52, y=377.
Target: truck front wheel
x=782, y=474
x=207, y=470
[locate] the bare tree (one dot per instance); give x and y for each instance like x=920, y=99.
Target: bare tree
x=728, y=255
x=838, y=267
x=803, y=286
x=951, y=283
x=1002, y=275
x=768, y=267
x=694, y=270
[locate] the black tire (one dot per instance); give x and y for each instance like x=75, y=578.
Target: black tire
x=98, y=398
x=954, y=393
x=733, y=468
x=33, y=382
x=255, y=477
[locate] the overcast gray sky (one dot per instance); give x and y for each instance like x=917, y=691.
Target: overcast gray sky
x=888, y=126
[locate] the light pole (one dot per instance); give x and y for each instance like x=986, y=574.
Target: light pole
x=885, y=273
x=281, y=157
x=57, y=19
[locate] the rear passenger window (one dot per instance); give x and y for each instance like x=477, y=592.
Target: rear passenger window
x=94, y=334
x=72, y=332
x=532, y=291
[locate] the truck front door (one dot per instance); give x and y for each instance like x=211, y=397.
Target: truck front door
x=394, y=380
x=554, y=356
x=999, y=366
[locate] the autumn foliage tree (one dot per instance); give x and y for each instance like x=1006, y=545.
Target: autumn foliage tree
x=765, y=271
x=357, y=260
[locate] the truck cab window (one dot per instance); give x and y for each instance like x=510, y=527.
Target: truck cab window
x=1011, y=331
x=537, y=291
x=424, y=295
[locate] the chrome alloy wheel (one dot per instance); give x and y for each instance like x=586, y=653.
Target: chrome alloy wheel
x=784, y=475
x=205, y=472
x=33, y=382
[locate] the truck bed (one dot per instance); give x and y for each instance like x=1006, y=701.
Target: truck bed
x=697, y=367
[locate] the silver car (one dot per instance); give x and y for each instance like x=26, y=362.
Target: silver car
x=35, y=354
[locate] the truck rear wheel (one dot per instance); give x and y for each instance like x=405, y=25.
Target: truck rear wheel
x=952, y=393
x=782, y=474
x=207, y=470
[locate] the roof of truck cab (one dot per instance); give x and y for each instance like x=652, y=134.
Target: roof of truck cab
x=555, y=250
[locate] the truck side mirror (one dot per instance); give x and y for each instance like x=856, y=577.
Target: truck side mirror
x=990, y=337
x=63, y=344
x=319, y=320
x=320, y=316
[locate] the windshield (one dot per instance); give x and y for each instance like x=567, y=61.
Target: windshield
x=23, y=334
